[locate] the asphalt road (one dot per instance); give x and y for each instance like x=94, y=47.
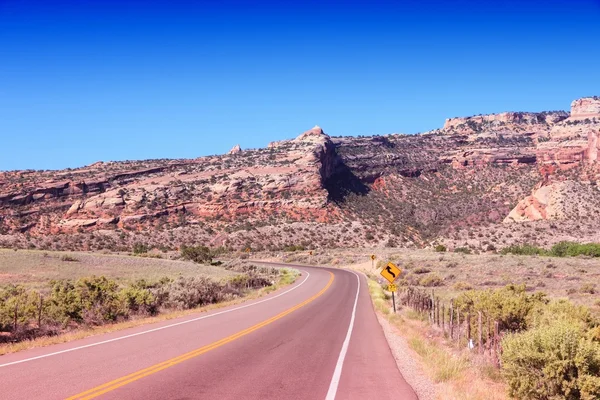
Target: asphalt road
x=316, y=339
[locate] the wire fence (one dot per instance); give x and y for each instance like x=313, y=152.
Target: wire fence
x=476, y=331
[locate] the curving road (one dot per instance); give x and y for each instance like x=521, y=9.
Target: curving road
x=317, y=339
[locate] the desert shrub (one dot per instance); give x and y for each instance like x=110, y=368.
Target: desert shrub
x=431, y=280
x=198, y=254
x=17, y=299
x=463, y=250
x=510, y=305
x=186, y=293
x=588, y=288
x=573, y=249
x=69, y=258
x=440, y=248
x=524, y=250
x=463, y=286
x=139, y=300
x=561, y=310
x=100, y=300
x=421, y=270
x=140, y=248
x=551, y=362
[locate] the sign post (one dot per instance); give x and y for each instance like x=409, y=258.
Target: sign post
x=372, y=260
x=391, y=272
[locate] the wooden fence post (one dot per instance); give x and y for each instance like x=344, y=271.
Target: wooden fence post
x=468, y=328
x=443, y=319
x=489, y=335
x=451, y=319
x=458, y=327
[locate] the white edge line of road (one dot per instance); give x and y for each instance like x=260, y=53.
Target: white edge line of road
x=156, y=329
x=337, y=373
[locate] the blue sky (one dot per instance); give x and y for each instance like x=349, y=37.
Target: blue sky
x=82, y=81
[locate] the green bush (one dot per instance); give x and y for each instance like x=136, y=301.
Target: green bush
x=561, y=249
x=440, y=248
x=524, y=250
x=99, y=300
x=573, y=249
x=551, y=362
x=510, y=306
x=198, y=254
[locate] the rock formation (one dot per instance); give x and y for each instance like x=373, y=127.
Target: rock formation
x=509, y=167
x=235, y=149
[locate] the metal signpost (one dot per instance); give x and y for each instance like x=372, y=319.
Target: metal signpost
x=391, y=272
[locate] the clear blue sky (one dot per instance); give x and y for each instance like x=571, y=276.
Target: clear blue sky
x=82, y=81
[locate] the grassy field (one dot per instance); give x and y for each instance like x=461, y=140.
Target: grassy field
x=36, y=268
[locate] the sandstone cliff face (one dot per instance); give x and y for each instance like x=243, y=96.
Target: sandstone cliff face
x=254, y=184
x=587, y=107
x=454, y=125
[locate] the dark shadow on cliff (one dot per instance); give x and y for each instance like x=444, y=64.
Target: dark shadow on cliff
x=342, y=183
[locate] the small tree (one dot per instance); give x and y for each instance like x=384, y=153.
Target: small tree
x=198, y=254
x=140, y=248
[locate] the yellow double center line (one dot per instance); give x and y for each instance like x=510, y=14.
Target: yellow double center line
x=117, y=383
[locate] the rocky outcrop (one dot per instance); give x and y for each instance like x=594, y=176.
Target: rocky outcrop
x=235, y=149
x=560, y=200
x=522, y=118
x=541, y=204
x=587, y=107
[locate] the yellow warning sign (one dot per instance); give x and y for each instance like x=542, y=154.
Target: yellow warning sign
x=373, y=257
x=391, y=272
x=392, y=287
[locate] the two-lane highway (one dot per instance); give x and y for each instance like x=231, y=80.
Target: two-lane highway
x=317, y=339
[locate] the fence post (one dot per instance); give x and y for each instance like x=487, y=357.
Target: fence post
x=480, y=333
x=458, y=326
x=451, y=319
x=432, y=308
x=443, y=319
x=468, y=328
x=40, y=311
x=489, y=335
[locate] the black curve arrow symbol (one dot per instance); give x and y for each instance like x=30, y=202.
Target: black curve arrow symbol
x=389, y=270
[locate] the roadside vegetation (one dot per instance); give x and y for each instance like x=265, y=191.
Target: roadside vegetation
x=550, y=348
x=59, y=306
